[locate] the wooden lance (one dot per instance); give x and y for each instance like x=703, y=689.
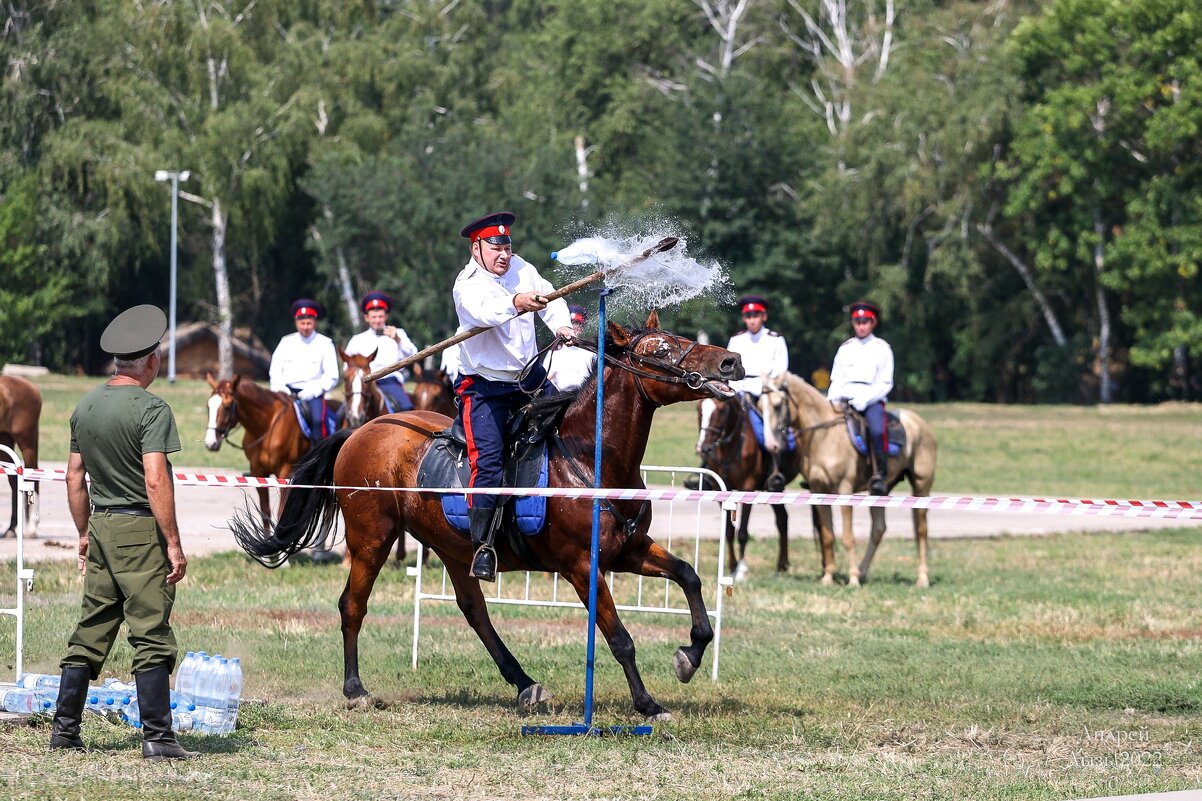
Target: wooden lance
x=665, y=244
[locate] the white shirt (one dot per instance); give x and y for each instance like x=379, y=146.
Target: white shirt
x=388, y=351
x=450, y=361
x=764, y=356
x=863, y=372
x=310, y=364
x=568, y=367
x=482, y=298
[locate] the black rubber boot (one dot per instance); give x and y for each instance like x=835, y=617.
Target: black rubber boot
x=483, y=527
x=876, y=484
x=72, y=695
x=154, y=704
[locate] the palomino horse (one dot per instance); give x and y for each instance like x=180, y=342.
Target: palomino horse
x=727, y=445
x=20, y=408
x=433, y=392
x=831, y=464
x=647, y=369
x=273, y=440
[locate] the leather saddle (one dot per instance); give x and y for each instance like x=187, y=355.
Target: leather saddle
x=857, y=431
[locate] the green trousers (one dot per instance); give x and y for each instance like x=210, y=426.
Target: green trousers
x=126, y=580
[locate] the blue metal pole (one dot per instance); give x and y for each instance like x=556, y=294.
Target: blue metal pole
x=595, y=545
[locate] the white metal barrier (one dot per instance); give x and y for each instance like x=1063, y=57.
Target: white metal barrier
x=25, y=490
x=630, y=593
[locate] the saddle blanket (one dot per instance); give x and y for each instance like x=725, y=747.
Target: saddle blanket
x=757, y=425
x=331, y=419
x=893, y=427
x=446, y=465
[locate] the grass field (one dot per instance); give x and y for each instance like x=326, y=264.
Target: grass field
x=1056, y=668
x=1051, y=668
x=1106, y=451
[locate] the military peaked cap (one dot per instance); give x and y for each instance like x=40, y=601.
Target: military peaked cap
x=134, y=332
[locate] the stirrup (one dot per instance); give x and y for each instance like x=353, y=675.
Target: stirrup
x=876, y=486
x=775, y=482
x=484, y=563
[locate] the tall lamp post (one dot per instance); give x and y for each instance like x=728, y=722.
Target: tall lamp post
x=175, y=177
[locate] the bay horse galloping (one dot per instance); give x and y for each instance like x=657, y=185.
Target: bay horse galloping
x=433, y=392
x=273, y=440
x=831, y=464
x=646, y=369
x=728, y=446
x=20, y=410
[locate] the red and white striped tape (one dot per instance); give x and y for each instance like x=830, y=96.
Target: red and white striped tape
x=1177, y=510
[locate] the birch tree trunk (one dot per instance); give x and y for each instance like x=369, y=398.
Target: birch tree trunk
x=225, y=324
x=1105, y=385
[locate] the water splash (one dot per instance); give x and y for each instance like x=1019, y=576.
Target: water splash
x=662, y=280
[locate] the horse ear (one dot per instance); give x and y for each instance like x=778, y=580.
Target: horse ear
x=372, y=357
x=417, y=370
x=653, y=320
x=234, y=383
x=618, y=335
x=210, y=379
x=342, y=357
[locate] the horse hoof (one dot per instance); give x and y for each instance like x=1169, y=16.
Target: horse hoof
x=365, y=702
x=827, y=580
x=11, y=534
x=533, y=696
x=684, y=666
x=741, y=571
x=923, y=582
x=853, y=581
x=660, y=717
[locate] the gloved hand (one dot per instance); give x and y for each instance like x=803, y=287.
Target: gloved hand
x=858, y=404
x=308, y=393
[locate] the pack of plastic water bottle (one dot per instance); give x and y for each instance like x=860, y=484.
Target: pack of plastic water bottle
x=207, y=694
x=214, y=685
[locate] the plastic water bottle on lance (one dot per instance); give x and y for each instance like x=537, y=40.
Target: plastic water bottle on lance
x=591, y=250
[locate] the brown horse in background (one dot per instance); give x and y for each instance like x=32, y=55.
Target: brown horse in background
x=273, y=440
x=646, y=369
x=831, y=464
x=20, y=410
x=364, y=400
x=433, y=392
x=727, y=445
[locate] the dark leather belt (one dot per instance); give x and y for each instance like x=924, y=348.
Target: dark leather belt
x=136, y=511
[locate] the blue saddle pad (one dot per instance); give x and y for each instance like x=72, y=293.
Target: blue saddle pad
x=897, y=436
x=331, y=419
x=757, y=425
x=446, y=465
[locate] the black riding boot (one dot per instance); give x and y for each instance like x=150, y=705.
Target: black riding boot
x=72, y=695
x=484, y=529
x=776, y=479
x=880, y=464
x=154, y=704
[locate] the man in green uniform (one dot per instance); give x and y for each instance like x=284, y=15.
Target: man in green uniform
x=129, y=546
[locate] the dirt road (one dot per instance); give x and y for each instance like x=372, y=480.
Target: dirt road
x=204, y=512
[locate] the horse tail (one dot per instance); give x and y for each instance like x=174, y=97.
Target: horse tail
x=308, y=514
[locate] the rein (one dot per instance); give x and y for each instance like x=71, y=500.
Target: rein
x=676, y=374
x=223, y=434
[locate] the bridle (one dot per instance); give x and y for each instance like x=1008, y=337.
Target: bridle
x=231, y=413
x=634, y=363
x=732, y=429
x=366, y=396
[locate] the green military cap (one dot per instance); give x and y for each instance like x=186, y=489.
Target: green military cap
x=134, y=332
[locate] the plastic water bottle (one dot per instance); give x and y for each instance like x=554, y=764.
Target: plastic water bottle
x=591, y=250
x=210, y=706
x=38, y=681
x=182, y=703
x=233, y=695
x=28, y=700
x=184, y=675
x=110, y=700
x=217, y=710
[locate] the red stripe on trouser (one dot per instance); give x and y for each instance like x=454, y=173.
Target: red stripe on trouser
x=885, y=431
x=472, y=452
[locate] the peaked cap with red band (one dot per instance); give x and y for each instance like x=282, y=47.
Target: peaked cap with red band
x=375, y=300
x=862, y=309
x=307, y=307
x=492, y=228
x=579, y=315
x=752, y=303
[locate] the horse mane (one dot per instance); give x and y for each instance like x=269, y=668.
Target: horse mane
x=249, y=389
x=588, y=389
